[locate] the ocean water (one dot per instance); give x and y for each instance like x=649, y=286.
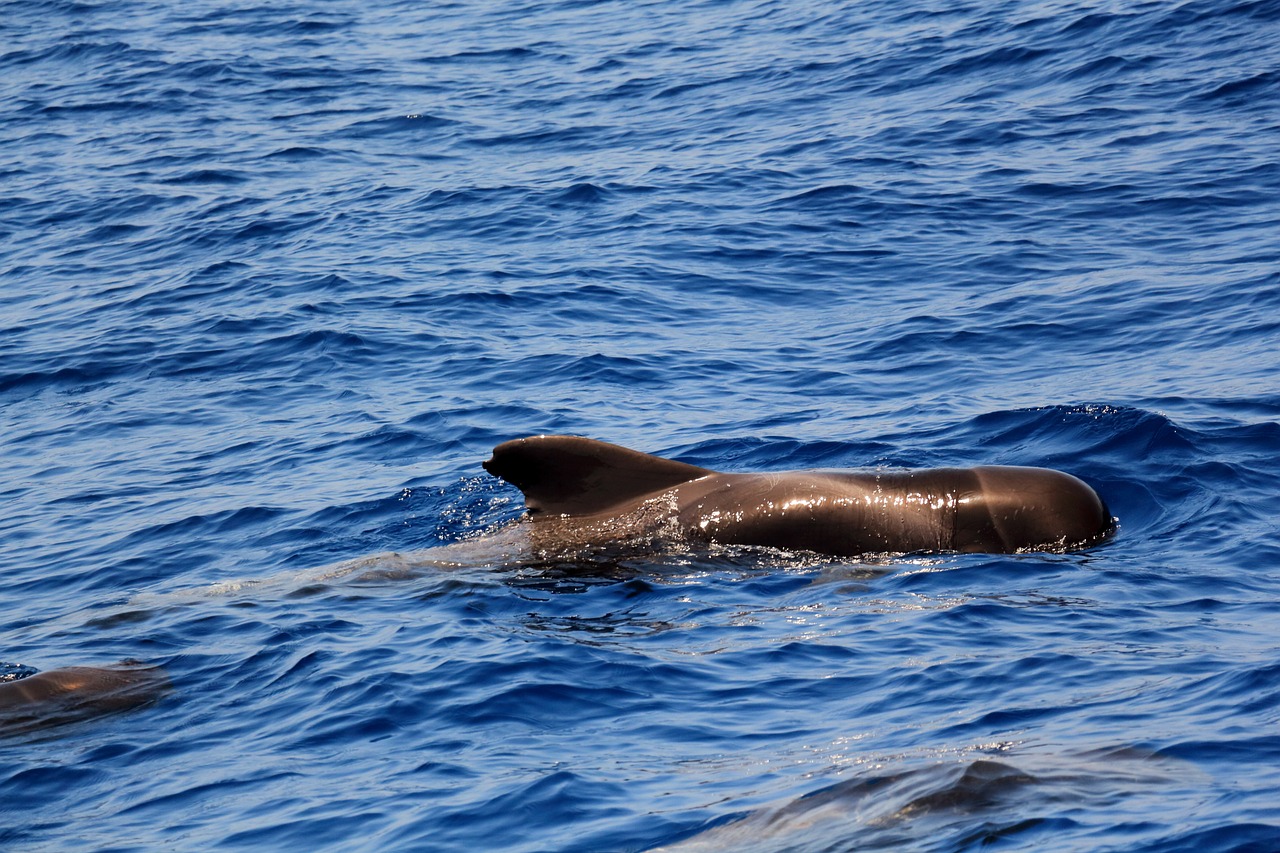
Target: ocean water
x=275, y=278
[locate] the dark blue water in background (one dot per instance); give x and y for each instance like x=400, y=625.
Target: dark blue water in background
x=274, y=280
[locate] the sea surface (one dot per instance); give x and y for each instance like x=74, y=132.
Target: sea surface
x=275, y=278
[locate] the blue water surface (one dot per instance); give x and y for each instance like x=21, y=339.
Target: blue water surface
x=275, y=278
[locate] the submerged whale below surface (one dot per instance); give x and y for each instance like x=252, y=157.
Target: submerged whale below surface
x=578, y=489
x=899, y=803
x=586, y=498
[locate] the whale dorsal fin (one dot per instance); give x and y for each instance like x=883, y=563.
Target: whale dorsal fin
x=566, y=475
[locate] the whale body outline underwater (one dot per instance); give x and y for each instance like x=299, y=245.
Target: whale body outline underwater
x=582, y=494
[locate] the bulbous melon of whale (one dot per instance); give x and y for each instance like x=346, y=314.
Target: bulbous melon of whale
x=578, y=484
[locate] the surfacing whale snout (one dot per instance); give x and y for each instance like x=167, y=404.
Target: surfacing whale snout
x=584, y=489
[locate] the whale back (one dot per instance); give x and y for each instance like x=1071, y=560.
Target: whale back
x=567, y=475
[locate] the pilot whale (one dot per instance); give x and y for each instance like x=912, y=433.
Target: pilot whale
x=587, y=499
x=73, y=693
x=580, y=490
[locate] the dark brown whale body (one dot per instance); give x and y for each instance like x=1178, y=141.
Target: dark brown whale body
x=604, y=489
x=74, y=693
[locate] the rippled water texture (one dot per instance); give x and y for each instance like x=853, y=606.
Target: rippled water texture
x=274, y=279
